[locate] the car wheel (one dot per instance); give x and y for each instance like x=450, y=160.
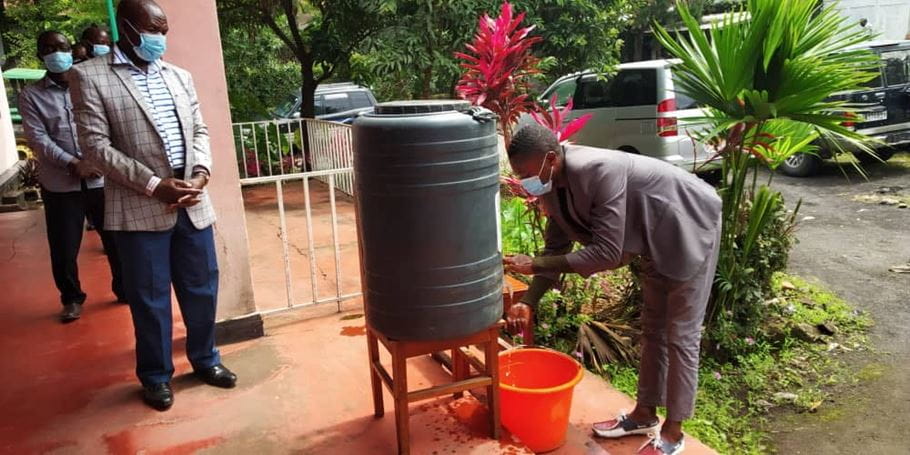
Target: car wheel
x=865, y=158
x=801, y=165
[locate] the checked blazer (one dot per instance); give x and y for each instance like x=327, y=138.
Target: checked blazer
x=117, y=133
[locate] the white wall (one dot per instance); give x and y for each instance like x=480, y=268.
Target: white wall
x=8, y=154
x=890, y=19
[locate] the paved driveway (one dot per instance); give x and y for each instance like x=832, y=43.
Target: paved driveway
x=849, y=246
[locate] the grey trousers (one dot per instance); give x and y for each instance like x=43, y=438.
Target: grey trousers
x=672, y=319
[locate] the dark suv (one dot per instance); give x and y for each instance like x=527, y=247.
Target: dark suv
x=339, y=102
x=883, y=111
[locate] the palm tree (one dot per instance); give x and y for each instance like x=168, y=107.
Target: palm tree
x=765, y=76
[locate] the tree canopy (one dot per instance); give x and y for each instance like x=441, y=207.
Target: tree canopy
x=22, y=20
x=405, y=48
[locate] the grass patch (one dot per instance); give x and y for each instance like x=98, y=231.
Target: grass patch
x=901, y=160
x=871, y=372
x=735, y=398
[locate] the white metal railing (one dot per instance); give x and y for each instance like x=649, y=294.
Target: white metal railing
x=331, y=148
x=331, y=177
x=275, y=148
x=271, y=152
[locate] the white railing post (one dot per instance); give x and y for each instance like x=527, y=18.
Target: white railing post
x=311, y=241
x=283, y=232
x=335, y=239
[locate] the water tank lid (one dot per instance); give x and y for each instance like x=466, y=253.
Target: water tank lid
x=421, y=107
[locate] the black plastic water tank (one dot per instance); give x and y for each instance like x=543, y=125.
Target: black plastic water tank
x=427, y=192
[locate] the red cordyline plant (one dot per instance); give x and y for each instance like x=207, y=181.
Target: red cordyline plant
x=499, y=67
x=554, y=120
x=497, y=77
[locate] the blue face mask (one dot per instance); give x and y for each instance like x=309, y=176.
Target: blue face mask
x=534, y=186
x=58, y=62
x=151, y=45
x=100, y=49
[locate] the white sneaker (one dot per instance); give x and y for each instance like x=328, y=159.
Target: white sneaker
x=657, y=446
x=623, y=426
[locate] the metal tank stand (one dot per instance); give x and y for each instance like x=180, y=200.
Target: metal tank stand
x=397, y=382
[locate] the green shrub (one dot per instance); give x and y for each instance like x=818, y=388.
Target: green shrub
x=744, y=278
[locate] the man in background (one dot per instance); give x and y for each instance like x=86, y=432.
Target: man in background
x=80, y=53
x=96, y=40
x=139, y=120
x=72, y=188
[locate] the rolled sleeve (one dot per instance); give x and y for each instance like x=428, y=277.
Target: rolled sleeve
x=152, y=185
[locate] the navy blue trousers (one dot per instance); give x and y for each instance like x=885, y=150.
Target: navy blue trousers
x=185, y=257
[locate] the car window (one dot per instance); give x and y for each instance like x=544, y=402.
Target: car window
x=593, y=93
x=634, y=88
x=563, y=92
x=319, y=105
x=286, y=108
x=896, y=67
x=683, y=101
x=875, y=82
x=360, y=99
x=337, y=102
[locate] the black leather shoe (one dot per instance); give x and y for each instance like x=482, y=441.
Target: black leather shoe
x=71, y=312
x=158, y=396
x=218, y=376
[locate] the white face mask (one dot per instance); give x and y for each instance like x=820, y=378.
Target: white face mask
x=535, y=186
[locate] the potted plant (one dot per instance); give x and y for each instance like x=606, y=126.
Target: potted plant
x=28, y=179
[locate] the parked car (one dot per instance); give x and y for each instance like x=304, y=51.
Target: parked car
x=882, y=108
x=339, y=102
x=636, y=111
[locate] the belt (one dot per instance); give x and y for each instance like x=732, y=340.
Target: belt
x=179, y=172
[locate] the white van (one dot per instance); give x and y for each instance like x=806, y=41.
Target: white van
x=636, y=111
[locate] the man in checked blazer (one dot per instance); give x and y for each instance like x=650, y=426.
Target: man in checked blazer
x=139, y=122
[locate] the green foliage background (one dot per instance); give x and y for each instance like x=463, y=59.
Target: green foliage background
x=260, y=74
x=411, y=54
x=21, y=21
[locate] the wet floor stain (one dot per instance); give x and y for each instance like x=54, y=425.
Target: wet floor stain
x=351, y=316
x=353, y=331
x=468, y=421
x=474, y=416
x=189, y=448
x=121, y=442
x=125, y=443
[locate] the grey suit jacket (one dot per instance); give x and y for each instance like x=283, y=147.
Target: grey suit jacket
x=623, y=205
x=117, y=132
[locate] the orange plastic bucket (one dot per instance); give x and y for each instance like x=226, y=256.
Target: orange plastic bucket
x=536, y=387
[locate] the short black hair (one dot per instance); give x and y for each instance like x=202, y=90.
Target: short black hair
x=87, y=33
x=532, y=140
x=43, y=35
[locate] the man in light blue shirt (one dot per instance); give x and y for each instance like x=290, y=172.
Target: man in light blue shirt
x=72, y=188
